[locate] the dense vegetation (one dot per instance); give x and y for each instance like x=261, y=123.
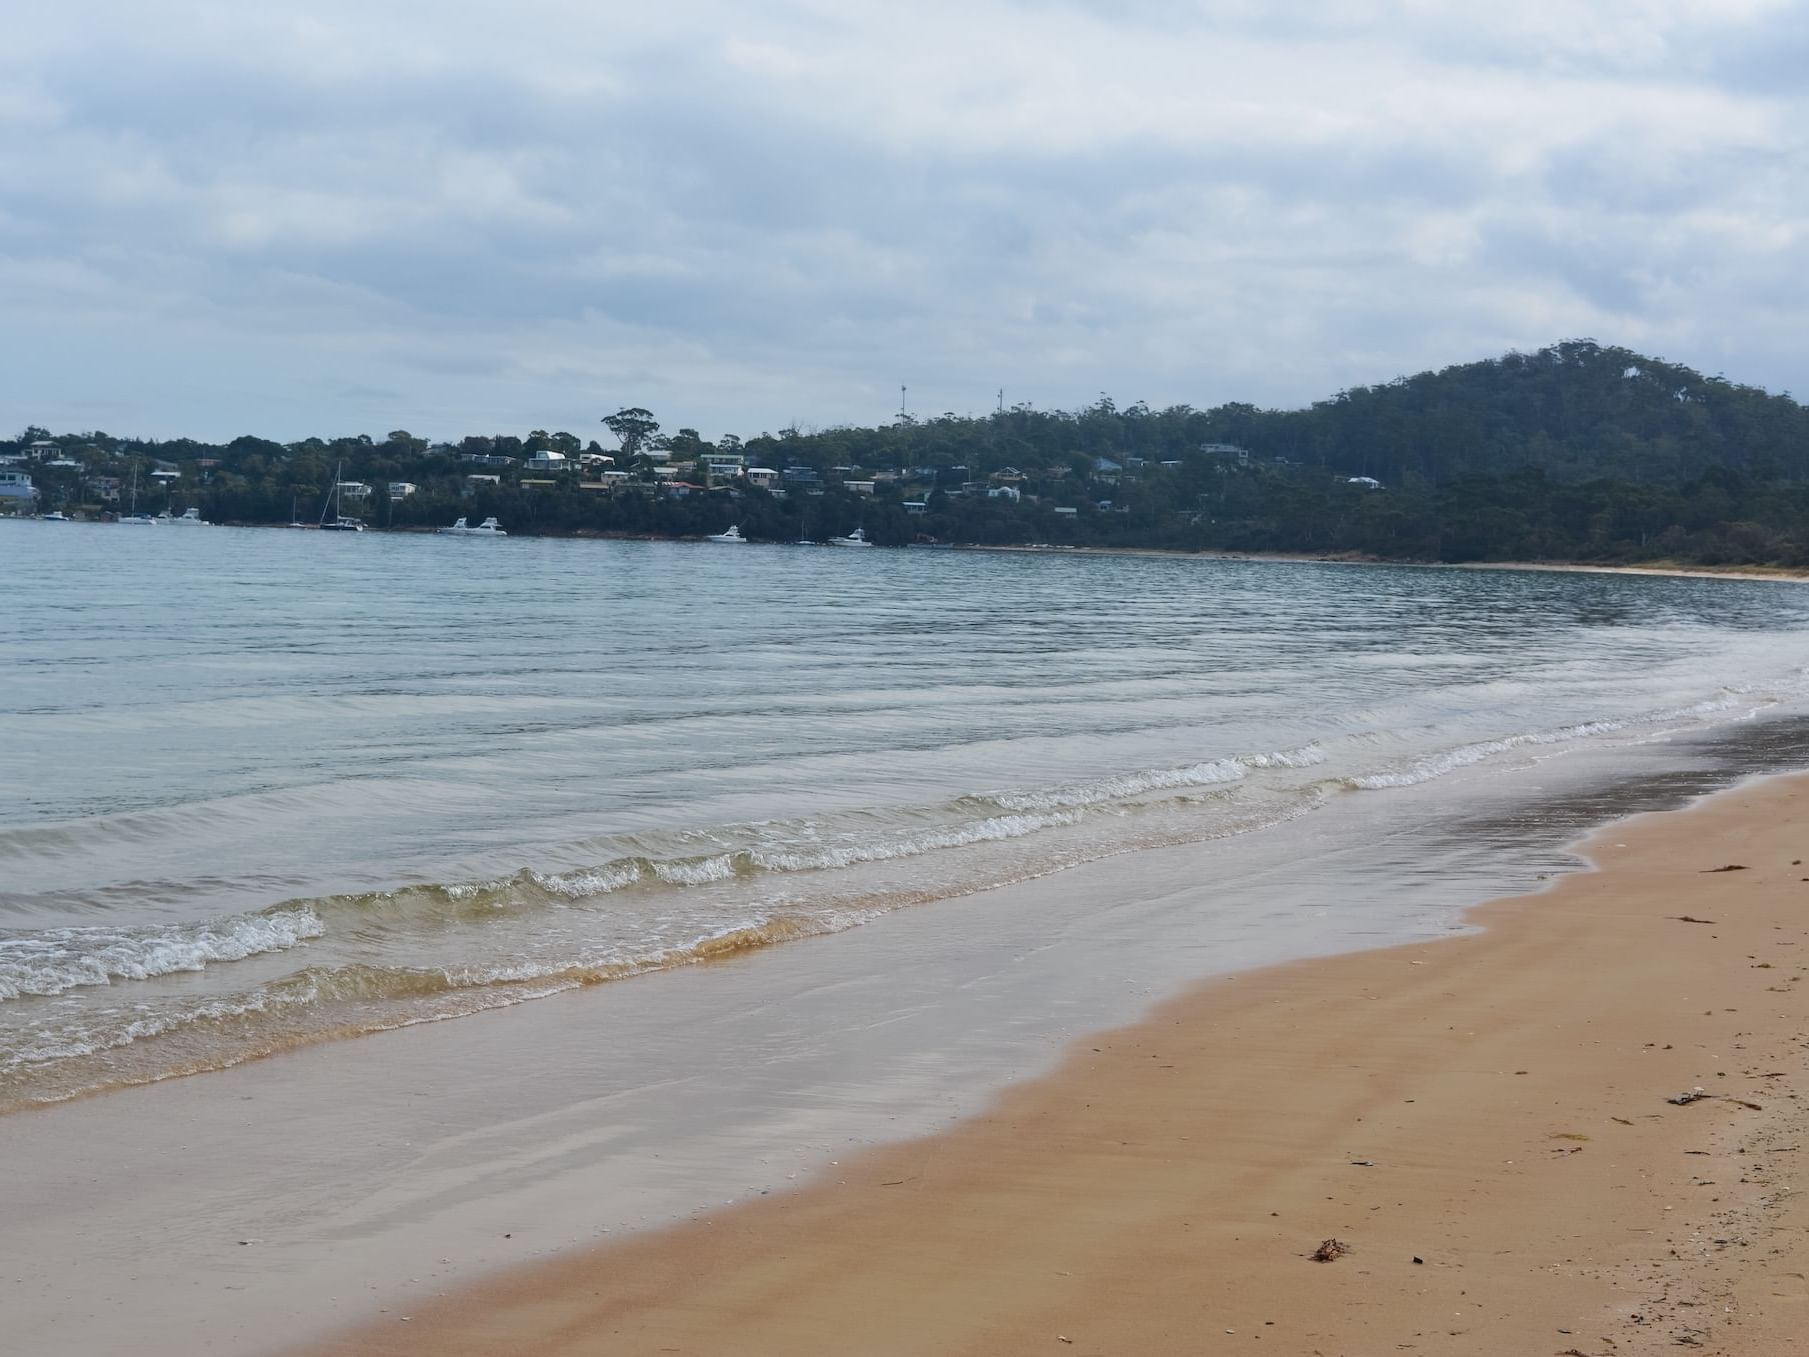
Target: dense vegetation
x=1578, y=452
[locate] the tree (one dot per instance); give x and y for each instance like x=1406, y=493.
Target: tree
x=634, y=426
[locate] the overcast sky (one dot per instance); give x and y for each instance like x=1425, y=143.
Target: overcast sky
x=349, y=216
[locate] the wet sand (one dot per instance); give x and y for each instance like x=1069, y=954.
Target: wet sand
x=1483, y=1121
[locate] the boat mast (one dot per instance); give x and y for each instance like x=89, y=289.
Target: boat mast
x=332, y=497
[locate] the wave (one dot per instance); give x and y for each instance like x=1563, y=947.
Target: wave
x=1437, y=765
x=360, y=997
x=58, y=960
x=1127, y=786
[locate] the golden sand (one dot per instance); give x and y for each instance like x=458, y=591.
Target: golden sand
x=1482, y=1123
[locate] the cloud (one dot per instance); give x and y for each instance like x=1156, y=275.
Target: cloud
x=450, y=217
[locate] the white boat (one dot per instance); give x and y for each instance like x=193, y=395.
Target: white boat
x=190, y=517
x=857, y=538
x=488, y=528
x=339, y=522
x=729, y=538
x=56, y=516
x=136, y=519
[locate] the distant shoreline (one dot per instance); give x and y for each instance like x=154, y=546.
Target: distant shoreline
x=1770, y=573
x=1775, y=574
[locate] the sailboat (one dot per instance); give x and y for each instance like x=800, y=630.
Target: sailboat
x=339, y=522
x=136, y=519
x=294, y=522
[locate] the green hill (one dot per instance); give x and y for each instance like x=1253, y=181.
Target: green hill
x=1579, y=452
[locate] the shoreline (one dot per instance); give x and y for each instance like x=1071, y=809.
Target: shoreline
x=1660, y=569
x=1492, y=1104
x=1772, y=574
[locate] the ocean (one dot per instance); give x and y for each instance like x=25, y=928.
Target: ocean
x=263, y=789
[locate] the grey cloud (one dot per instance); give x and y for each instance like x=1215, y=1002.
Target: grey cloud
x=474, y=239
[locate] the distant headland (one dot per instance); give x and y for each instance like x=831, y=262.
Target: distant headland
x=1580, y=452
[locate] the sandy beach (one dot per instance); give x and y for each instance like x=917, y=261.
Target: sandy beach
x=1483, y=1123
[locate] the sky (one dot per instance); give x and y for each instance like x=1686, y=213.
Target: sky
x=351, y=216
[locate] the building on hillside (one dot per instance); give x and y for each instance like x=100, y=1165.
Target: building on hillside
x=916, y=506
x=1363, y=482
x=1105, y=469
x=16, y=487
x=487, y=459
x=352, y=490
x=548, y=460
x=170, y=477
x=1010, y=492
x=858, y=487
x=761, y=477
x=803, y=477
x=476, y=484
x=104, y=488
x=42, y=449
x=402, y=489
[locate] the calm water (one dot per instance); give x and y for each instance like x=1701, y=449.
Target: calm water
x=261, y=787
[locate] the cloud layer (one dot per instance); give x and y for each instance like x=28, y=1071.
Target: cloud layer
x=350, y=217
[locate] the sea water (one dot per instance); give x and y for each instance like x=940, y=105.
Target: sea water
x=261, y=788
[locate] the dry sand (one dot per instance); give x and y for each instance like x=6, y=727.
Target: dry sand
x=1482, y=1121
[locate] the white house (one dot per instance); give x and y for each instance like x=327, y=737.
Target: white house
x=762, y=477
x=548, y=460
x=1363, y=482
x=17, y=486
x=478, y=482
x=1010, y=492
x=347, y=489
x=858, y=487
x=402, y=489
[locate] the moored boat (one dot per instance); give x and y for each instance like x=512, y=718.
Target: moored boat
x=338, y=522
x=857, y=538
x=462, y=528
x=730, y=538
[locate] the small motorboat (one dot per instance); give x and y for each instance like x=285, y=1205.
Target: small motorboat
x=730, y=538
x=462, y=528
x=56, y=516
x=189, y=518
x=857, y=538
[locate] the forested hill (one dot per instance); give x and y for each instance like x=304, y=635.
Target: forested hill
x=1577, y=452
x=1575, y=411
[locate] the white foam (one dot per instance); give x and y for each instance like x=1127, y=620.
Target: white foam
x=993, y=829
x=68, y=958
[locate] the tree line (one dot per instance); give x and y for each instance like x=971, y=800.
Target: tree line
x=1578, y=452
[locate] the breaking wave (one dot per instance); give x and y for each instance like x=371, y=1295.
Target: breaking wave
x=1437, y=765
x=58, y=960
